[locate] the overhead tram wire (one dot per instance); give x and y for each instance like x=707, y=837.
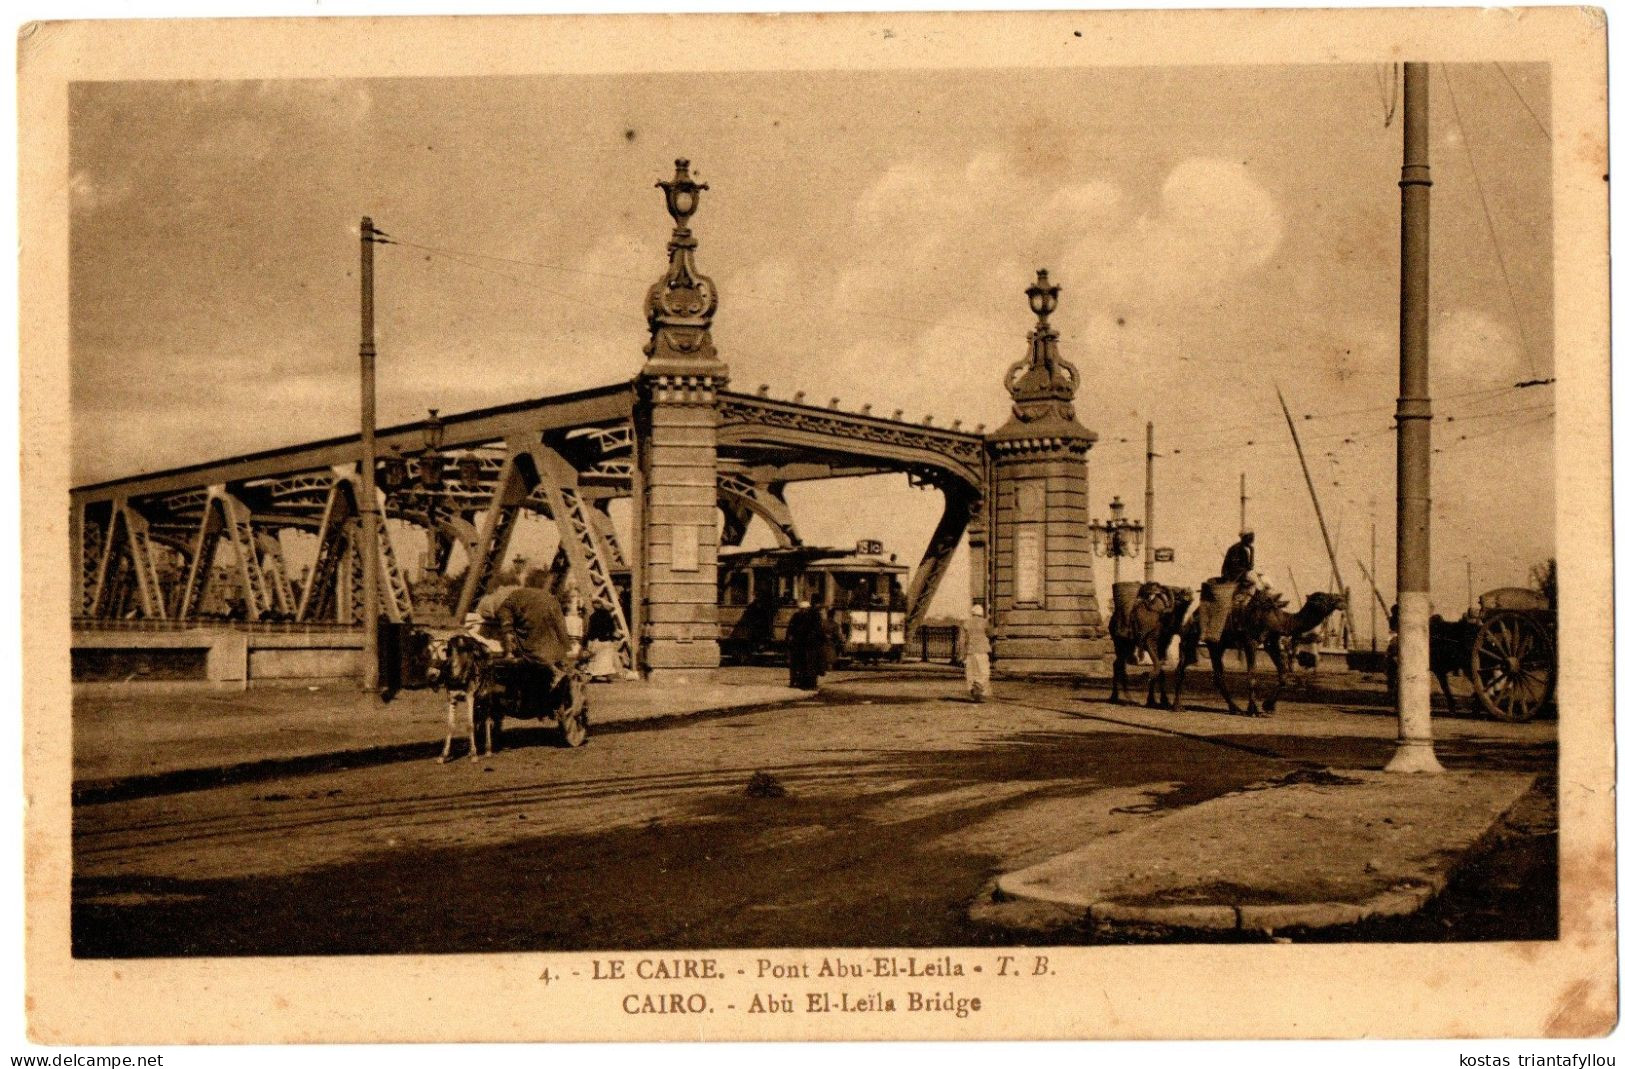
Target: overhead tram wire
x=1495, y=241
x=1510, y=85
x=1207, y=447
x=1175, y=354
x=462, y=261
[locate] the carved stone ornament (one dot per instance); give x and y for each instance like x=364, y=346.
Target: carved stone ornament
x=679, y=307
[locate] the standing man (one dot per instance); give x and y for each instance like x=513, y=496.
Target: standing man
x=978, y=651
x=804, y=645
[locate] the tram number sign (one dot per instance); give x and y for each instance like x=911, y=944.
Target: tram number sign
x=1164, y=554
x=871, y=547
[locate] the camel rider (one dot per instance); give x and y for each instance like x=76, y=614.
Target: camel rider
x=1238, y=569
x=1238, y=560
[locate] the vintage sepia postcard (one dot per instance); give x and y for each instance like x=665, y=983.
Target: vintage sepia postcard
x=838, y=527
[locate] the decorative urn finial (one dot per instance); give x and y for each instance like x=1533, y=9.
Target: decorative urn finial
x=1041, y=383
x=679, y=307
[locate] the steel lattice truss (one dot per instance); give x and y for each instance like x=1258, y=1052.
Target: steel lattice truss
x=151, y=545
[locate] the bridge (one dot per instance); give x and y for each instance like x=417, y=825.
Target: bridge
x=696, y=461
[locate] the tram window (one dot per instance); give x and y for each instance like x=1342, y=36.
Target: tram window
x=737, y=588
x=815, y=583
x=856, y=590
x=786, y=588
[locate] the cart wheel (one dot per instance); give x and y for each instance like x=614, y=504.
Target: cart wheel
x=1514, y=666
x=573, y=717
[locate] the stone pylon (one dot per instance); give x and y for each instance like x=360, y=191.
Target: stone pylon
x=1041, y=587
x=676, y=418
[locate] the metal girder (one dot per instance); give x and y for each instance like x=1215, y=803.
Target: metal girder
x=333, y=591
x=606, y=534
x=581, y=539
x=764, y=501
x=85, y=543
x=225, y=516
x=513, y=486
x=125, y=555
x=320, y=599
x=958, y=507
x=735, y=519
x=394, y=593
x=604, y=405
x=276, y=573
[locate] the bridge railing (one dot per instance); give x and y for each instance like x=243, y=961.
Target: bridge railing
x=91, y=623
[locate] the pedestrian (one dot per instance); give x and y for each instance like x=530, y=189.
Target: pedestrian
x=804, y=645
x=603, y=652
x=834, y=641
x=978, y=656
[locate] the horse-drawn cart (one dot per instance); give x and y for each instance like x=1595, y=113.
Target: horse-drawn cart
x=1513, y=662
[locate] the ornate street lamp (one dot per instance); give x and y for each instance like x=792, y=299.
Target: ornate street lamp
x=1116, y=537
x=431, y=465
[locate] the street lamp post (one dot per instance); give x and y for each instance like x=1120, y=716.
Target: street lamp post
x=1116, y=537
x=368, y=503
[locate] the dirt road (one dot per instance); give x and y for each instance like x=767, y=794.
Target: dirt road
x=900, y=802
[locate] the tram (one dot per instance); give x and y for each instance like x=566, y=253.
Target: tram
x=758, y=591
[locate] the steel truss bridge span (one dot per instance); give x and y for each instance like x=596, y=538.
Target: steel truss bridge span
x=148, y=546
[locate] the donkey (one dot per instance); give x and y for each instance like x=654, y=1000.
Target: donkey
x=466, y=674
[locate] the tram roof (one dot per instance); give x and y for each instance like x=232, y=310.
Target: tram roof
x=827, y=557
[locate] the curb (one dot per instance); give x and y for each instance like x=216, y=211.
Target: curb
x=1034, y=912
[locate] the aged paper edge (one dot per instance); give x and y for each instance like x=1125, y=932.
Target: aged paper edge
x=1564, y=988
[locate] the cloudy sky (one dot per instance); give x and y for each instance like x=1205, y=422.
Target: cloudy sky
x=1217, y=231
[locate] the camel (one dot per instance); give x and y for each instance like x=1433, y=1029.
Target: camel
x=1147, y=626
x=1258, y=621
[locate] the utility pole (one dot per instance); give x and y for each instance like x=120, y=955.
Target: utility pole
x=1469, y=584
x=1412, y=414
x=1243, y=502
x=1150, y=497
x=368, y=505
x=1373, y=592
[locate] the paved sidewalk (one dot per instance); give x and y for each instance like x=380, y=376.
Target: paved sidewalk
x=120, y=736
x=1316, y=849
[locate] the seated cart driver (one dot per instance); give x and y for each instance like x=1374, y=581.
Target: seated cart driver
x=534, y=636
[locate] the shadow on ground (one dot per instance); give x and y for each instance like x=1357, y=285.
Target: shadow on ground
x=824, y=868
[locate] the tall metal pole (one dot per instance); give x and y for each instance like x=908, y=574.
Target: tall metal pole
x=1243, y=527
x=1469, y=583
x=1413, y=414
x=1150, y=497
x=1373, y=591
x=368, y=505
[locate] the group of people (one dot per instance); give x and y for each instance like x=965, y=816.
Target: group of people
x=528, y=624
x=1238, y=568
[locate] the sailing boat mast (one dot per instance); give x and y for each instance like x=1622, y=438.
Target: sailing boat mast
x=1331, y=554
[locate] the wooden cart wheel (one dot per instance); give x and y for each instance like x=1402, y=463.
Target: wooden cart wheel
x=573, y=716
x=1514, y=666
